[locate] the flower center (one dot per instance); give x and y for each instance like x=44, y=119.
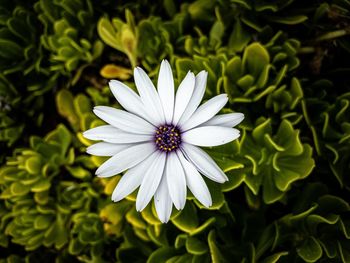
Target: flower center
x=167, y=138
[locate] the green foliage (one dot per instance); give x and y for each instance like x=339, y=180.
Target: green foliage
x=19, y=40
x=119, y=35
x=26, y=181
x=269, y=160
x=69, y=29
x=19, y=56
x=282, y=63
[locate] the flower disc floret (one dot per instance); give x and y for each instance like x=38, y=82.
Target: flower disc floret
x=167, y=138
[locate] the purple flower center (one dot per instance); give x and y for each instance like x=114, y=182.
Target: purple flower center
x=167, y=138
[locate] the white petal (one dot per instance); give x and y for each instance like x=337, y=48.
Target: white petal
x=197, y=96
x=166, y=90
x=195, y=182
x=124, y=120
x=108, y=133
x=205, y=112
x=203, y=162
x=210, y=135
x=183, y=96
x=162, y=201
x=226, y=120
x=149, y=95
x=106, y=149
x=125, y=159
x=105, y=131
x=128, y=98
x=132, y=179
x=150, y=182
x=176, y=180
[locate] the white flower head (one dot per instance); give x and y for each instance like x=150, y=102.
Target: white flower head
x=156, y=139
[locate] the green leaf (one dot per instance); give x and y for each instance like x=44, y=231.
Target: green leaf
x=33, y=165
x=75, y=247
x=78, y=172
x=216, y=33
x=310, y=250
x=19, y=189
x=180, y=241
x=108, y=34
x=148, y=216
x=135, y=219
x=112, y=71
x=41, y=185
x=187, y=219
x=34, y=242
x=216, y=256
x=288, y=138
x=72, y=63
x=129, y=43
x=161, y=255
x=288, y=20
x=61, y=136
x=65, y=107
x=56, y=234
x=20, y=28
x=344, y=251
x=305, y=162
x=10, y=50
x=216, y=195
x=284, y=178
x=255, y=58
x=202, y=228
x=333, y=204
x=246, y=81
x=115, y=212
x=42, y=222
x=271, y=193
x=180, y=259
x=239, y=37
x=275, y=257
x=236, y=178
x=262, y=129
x=234, y=68
x=157, y=234
x=195, y=246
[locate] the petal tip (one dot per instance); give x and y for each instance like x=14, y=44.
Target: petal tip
x=140, y=205
x=85, y=134
x=139, y=208
x=165, y=61
x=163, y=220
x=116, y=199
x=96, y=109
x=88, y=151
x=207, y=203
x=99, y=173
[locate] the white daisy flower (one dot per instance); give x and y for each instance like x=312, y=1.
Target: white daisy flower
x=156, y=139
